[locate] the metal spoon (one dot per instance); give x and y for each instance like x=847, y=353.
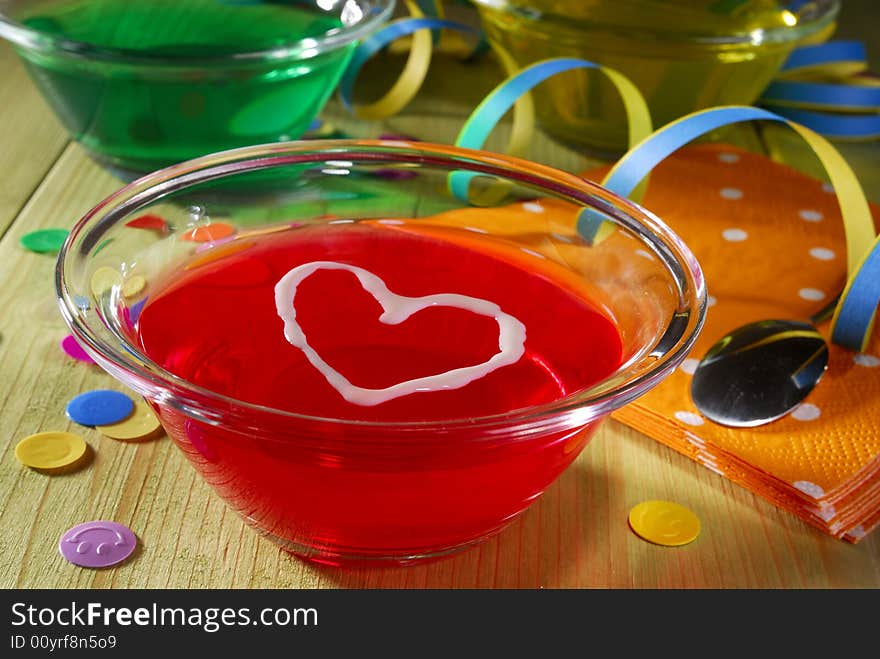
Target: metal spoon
x=761, y=371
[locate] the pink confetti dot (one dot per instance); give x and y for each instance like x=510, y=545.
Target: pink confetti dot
x=73, y=349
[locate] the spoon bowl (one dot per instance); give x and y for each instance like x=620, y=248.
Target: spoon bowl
x=759, y=372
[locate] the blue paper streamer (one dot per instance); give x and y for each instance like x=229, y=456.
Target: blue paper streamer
x=833, y=125
x=858, y=307
x=827, y=95
x=645, y=156
x=830, y=52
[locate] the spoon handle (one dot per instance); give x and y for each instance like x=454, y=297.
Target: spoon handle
x=825, y=312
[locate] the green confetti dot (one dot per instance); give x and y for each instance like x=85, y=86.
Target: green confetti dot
x=44, y=240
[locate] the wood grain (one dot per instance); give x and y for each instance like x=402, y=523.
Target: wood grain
x=575, y=536
x=30, y=135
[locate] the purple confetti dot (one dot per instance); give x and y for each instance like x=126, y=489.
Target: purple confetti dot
x=132, y=314
x=97, y=544
x=395, y=174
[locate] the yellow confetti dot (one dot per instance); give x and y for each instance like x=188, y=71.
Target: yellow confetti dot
x=664, y=523
x=51, y=451
x=133, y=285
x=103, y=279
x=139, y=425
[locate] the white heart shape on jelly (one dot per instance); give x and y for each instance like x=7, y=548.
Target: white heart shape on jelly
x=396, y=309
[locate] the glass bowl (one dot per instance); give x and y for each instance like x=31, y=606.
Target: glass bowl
x=369, y=486
x=683, y=55
x=142, y=85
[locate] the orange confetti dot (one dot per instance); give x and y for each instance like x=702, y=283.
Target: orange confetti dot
x=209, y=232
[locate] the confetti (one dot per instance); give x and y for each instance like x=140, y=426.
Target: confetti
x=44, y=240
x=51, y=451
x=104, y=279
x=100, y=407
x=664, y=523
x=149, y=221
x=132, y=286
x=209, y=232
x=140, y=425
x=97, y=544
x=73, y=349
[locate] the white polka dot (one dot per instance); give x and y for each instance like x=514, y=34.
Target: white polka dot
x=532, y=252
x=812, y=294
x=806, y=412
x=857, y=532
x=533, y=207
x=731, y=193
x=863, y=359
x=711, y=301
x=728, y=157
x=826, y=514
x=706, y=458
x=689, y=418
x=734, y=235
x=827, y=187
x=822, y=253
x=689, y=365
x=810, y=215
x=810, y=489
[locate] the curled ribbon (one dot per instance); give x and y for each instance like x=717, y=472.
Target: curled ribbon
x=797, y=103
x=415, y=70
x=500, y=100
x=835, y=126
x=853, y=318
x=824, y=87
x=837, y=59
x=830, y=96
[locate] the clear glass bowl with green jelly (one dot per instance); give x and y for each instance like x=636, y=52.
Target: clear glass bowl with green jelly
x=143, y=84
x=683, y=55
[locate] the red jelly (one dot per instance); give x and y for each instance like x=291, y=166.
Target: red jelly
x=327, y=477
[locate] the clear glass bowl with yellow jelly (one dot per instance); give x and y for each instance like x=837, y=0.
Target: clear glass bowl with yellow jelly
x=683, y=55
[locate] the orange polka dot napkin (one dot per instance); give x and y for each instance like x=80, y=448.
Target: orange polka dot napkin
x=771, y=244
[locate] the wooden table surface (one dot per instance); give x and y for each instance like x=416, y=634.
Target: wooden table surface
x=575, y=536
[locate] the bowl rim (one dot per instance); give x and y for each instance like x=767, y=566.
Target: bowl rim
x=153, y=381
x=34, y=40
x=820, y=14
